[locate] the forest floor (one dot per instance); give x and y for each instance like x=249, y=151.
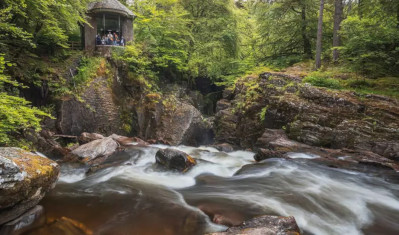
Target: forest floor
x=340, y=78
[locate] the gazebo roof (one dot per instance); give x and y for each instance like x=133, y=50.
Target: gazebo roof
x=110, y=6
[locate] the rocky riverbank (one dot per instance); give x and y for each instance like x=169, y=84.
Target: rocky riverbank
x=307, y=114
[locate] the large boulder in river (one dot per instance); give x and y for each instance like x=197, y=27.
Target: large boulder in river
x=172, y=120
x=24, y=179
x=94, y=152
x=265, y=225
x=174, y=160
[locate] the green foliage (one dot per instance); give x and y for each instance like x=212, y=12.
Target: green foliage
x=262, y=114
x=214, y=49
x=16, y=113
x=162, y=36
x=286, y=28
x=371, y=44
x=88, y=68
x=388, y=86
x=321, y=80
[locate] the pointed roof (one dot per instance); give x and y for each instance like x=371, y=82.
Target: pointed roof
x=110, y=6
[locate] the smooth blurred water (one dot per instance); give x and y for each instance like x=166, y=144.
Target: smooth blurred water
x=138, y=198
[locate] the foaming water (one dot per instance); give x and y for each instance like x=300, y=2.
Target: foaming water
x=135, y=197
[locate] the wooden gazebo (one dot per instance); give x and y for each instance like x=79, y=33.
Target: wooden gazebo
x=107, y=16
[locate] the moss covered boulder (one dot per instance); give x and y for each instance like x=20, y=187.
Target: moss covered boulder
x=25, y=177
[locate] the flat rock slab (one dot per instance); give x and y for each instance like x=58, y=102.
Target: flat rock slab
x=95, y=151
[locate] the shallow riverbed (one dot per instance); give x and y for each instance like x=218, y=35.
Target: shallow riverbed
x=138, y=198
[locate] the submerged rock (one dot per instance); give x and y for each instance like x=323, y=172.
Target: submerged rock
x=225, y=147
x=263, y=154
x=24, y=179
x=174, y=160
x=265, y=225
x=62, y=226
x=94, y=152
x=33, y=217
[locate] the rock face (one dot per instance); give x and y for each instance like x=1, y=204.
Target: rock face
x=24, y=179
x=172, y=121
x=311, y=115
x=174, y=160
x=265, y=225
x=97, y=111
x=94, y=152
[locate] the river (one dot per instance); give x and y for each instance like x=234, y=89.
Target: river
x=137, y=198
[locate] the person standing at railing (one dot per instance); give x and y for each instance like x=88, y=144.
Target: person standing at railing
x=116, y=39
x=98, y=40
x=110, y=39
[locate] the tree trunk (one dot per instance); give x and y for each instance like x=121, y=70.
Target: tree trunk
x=319, y=35
x=307, y=49
x=397, y=13
x=337, y=25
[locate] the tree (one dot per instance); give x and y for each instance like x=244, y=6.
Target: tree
x=286, y=28
x=338, y=15
x=319, y=35
x=163, y=33
x=214, y=47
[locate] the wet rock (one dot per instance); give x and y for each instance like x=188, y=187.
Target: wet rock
x=33, y=217
x=24, y=179
x=225, y=147
x=277, y=140
x=62, y=226
x=265, y=225
x=221, y=215
x=85, y=137
x=127, y=156
x=93, y=152
x=263, y=154
x=278, y=145
x=174, y=160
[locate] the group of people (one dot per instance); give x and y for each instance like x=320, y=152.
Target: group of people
x=110, y=39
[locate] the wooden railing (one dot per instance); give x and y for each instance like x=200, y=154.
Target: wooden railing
x=75, y=45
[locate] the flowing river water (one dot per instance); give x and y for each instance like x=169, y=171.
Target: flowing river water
x=137, y=198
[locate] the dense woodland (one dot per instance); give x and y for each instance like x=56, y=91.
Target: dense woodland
x=182, y=40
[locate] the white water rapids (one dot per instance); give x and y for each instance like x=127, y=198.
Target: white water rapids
x=137, y=198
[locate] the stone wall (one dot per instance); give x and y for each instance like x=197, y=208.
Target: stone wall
x=90, y=33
